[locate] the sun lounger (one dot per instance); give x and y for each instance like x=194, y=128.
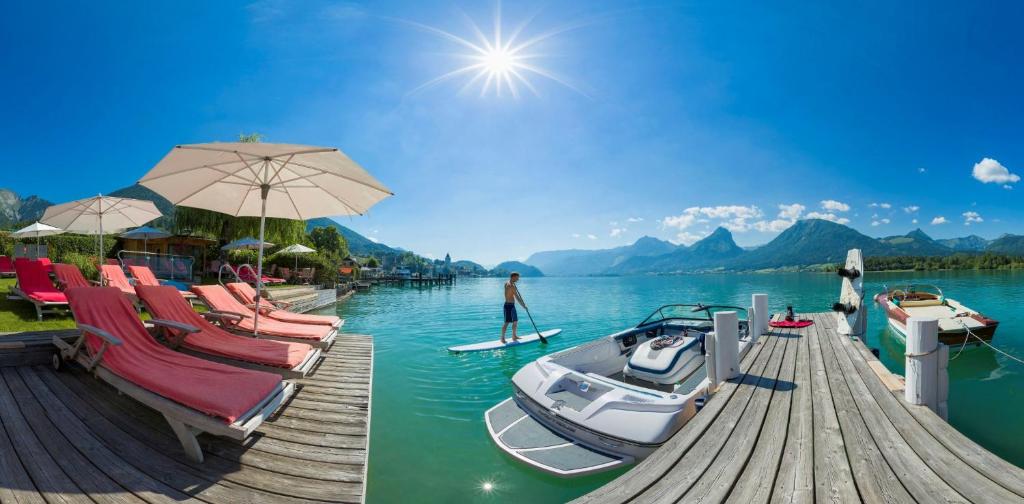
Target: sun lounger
x=275, y=309
x=113, y=276
x=237, y=317
x=186, y=330
x=247, y=275
x=144, y=276
x=6, y=267
x=193, y=394
x=34, y=286
x=69, y=276
x=47, y=264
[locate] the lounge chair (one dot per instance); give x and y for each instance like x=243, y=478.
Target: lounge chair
x=6, y=267
x=47, y=264
x=34, y=286
x=237, y=317
x=193, y=394
x=144, y=276
x=248, y=275
x=69, y=276
x=276, y=309
x=113, y=276
x=193, y=334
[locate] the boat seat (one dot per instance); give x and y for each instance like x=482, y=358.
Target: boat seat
x=668, y=364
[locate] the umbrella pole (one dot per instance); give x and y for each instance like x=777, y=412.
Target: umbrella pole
x=264, y=191
x=99, y=255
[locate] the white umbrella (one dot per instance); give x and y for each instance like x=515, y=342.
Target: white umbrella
x=248, y=243
x=266, y=180
x=145, y=233
x=296, y=249
x=37, y=230
x=91, y=215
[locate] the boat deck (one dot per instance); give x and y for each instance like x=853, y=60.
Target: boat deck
x=815, y=417
x=67, y=437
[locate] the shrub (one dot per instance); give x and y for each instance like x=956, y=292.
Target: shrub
x=86, y=263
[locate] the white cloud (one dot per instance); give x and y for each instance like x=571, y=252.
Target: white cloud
x=736, y=216
x=911, y=209
x=591, y=237
x=989, y=170
x=922, y=170
x=774, y=225
x=687, y=238
x=791, y=212
x=613, y=223
x=635, y=219
x=913, y=221
x=373, y=239
x=879, y=222
x=972, y=217
x=616, y=232
x=939, y=220
x=829, y=217
x=881, y=205
x=835, y=206
x=1008, y=187
x=575, y=235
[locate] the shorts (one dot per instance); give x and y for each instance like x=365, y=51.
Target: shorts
x=510, y=313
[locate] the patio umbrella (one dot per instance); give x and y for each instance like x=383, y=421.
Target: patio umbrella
x=92, y=215
x=38, y=230
x=145, y=233
x=296, y=249
x=247, y=243
x=265, y=180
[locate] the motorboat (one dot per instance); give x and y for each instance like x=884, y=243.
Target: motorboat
x=956, y=322
x=611, y=401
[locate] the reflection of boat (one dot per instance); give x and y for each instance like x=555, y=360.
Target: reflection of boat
x=927, y=301
x=611, y=401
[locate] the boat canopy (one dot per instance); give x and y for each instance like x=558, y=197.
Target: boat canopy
x=691, y=312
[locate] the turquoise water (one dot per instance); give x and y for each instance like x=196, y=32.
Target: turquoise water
x=428, y=439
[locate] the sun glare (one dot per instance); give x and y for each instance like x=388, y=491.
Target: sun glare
x=497, y=64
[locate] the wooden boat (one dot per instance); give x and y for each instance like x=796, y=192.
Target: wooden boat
x=928, y=301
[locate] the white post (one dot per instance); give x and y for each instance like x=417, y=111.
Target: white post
x=727, y=345
x=751, y=324
x=922, y=362
x=760, y=302
x=710, y=361
x=99, y=256
x=943, y=378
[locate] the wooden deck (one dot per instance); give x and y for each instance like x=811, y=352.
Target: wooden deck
x=67, y=437
x=815, y=417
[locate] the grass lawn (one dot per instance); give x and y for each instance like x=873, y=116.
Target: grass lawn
x=19, y=316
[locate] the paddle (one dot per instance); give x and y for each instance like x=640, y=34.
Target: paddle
x=539, y=335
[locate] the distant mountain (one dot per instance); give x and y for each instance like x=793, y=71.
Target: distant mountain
x=358, y=244
x=808, y=242
x=577, y=262
x=506, y=268
x=914, y=243
x=469, y=268
x=1007, y=244
x=15, y=210
x=144, y=193
x=710, y=252
x=972, y=243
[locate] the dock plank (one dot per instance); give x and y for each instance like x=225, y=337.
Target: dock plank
x=794, y=482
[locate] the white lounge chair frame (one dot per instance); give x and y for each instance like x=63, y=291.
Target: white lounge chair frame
x=186, y=422
x=42, y=307
x=229, y=320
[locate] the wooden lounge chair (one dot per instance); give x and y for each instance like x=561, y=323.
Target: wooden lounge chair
x=235, y=316
x=193, y=394
x=276, y=309
x=144, y=276
x=69, y=276
x=34, y=286
x=47, y=264
x=247, y=275
x=113, y=276
x=188, y=331
x=6, y=267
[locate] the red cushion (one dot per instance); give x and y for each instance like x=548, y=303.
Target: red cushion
x=223, y=391
x=791, y=323
x=245, y=293
x=218, y=298
x=35, y=282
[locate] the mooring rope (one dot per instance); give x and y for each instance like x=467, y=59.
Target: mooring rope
x=971, y=333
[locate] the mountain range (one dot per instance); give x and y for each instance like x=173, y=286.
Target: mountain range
x=807, y=242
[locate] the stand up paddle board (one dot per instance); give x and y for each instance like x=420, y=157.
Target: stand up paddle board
x=496, y=344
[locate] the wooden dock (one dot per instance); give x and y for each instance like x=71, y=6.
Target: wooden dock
x=67, y=437
x=815, y=417
x=423, y=281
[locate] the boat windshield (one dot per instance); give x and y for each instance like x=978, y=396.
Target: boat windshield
x=696, y=312
x=915, y=291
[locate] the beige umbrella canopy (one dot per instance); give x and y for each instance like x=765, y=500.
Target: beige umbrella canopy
x=265, y=180
x=36, y=230
x=96, y=214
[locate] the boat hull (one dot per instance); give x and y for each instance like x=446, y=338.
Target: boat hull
x=955, y=337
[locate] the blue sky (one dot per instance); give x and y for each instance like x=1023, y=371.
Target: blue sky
x=676, y=117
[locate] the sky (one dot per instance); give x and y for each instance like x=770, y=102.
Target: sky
x=665, y=119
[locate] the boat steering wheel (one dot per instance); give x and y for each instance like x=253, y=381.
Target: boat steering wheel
x=899, y=293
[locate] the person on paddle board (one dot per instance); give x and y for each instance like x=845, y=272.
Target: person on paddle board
x=511, y=317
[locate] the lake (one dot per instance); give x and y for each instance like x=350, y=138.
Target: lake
x=428, y=439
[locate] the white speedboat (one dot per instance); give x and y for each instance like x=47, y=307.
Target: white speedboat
x=611, y=401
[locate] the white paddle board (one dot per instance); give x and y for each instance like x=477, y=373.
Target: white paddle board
x=496, y=344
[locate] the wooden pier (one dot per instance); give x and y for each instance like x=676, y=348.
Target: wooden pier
x=67, y=437
x=426, y=281
x=815, y=417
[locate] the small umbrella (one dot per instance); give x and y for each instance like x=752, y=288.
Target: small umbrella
x=37, y=230
x=296, y=249
x=247, y=243
x=145, y=233
x=266, y=180
x=91, y=215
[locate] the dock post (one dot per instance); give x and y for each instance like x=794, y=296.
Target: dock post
x=922, y=366
x=710, y=358
x=752, y=333
x=943, y=377
x=727, y=345
x=760, y=302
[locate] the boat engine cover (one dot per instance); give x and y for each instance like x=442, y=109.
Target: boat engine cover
x=667, y=365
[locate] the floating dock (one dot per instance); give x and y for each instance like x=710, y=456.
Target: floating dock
x=67, y=437
x=815, y=417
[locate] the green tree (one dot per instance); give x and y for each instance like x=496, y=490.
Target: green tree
x=372, y=263
x=327, y=240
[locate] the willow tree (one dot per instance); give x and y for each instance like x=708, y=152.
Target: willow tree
x=196, y=221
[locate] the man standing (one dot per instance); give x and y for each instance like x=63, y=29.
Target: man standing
x=511, y=296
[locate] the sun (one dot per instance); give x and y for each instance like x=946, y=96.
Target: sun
x=497, y=64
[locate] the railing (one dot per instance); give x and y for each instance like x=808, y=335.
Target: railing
x=166, y=266
x=235, y=272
